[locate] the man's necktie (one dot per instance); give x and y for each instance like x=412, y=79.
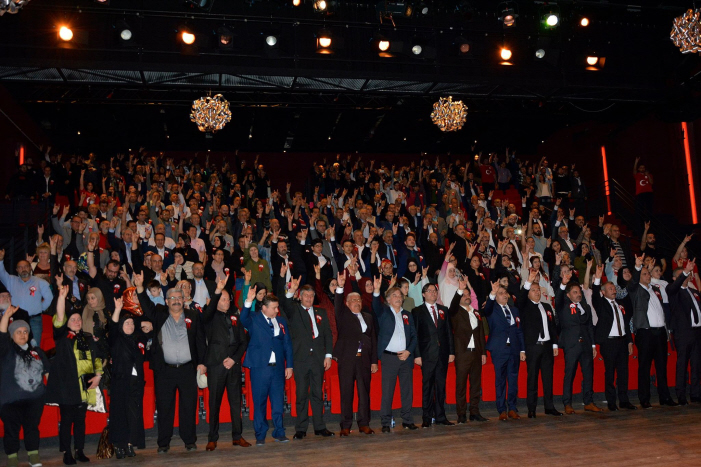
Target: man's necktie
x=694, y=311
x=618, y=319
x=507, y=313
x=270, y=323
x=435, y=317
x=311, y=323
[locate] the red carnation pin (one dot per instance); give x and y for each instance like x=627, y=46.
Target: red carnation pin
x=282, y=328
x=234, y=321
x=406, y=319
x=32, y=290
x=142, y=348
x=34, y=354
x=188, y=322
x=318, y=319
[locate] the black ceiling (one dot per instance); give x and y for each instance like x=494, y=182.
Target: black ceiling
x=291, y=95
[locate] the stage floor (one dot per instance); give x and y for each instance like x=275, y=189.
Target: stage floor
x=669, y=435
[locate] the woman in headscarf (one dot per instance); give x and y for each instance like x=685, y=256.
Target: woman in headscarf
x=22, y=370
x=261, y=291
x=94, y=318
x=127, y=348
x=417, y=279
x=448, y=280
x=75, y=373
x=325, y=297
x=182, y=268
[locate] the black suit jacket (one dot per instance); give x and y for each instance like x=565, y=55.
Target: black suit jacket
x=641, y=300
x=681, y=305
x=435, y=343
x=573, y=325
x=532, y=320
x=351, y=335
x=463, y=330
x=607, y=319
x=301, y=331
x=217, y=325
x=211, y=287
x=158, y=314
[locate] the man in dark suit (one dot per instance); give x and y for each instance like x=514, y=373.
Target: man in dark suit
x=270, y=360
x=565, y=241
x=434, y=351
x=160, y=249
x=615, y=342
x=408, y=251
x=506, y=347
x=77, y=285
x=540, y=337
x=362, y=252
x=388, y=247
x=312, y=345
x=279, y=259
x=315, y=257
x=177, y=355
x=202, y=289
x=470, y=352
x=124, y=245
x=686, y=321
x=356, y=353
x=397, y=341
x=227, y=342
x=577, y=341
x=650, y=334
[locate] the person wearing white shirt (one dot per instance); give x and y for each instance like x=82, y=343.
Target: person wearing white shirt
x=650, y=334
x=397, y=342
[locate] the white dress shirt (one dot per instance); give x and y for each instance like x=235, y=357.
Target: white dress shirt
x=201, y=294
x=655, y=314
x=614, y=327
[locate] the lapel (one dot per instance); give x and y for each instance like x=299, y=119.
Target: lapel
x=306, y=318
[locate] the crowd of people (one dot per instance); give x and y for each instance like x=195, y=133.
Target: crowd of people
x=373, y=267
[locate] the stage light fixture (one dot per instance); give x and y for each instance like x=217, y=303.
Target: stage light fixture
x=323, y=42
x=462, y=46
x=584, y=22
x=125, y=35
x=506, y=54
x=540, y=53
x=11, y=7
x=508, y=14
x=296, y=2
x=103, y=2
x=225, y=38
x=383, y=45
x=416, y=50
x=271, y=40
x=423, y=9
x=65, y=33
x=595, y=62
x=591, y=61
x=187, y=36
x=552, y=20
x=320, y=5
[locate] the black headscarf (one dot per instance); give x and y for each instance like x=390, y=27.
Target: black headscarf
x=80, y=337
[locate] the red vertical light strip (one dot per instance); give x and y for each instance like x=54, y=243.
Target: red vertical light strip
x=687, y=153
x=21, y=154
x=606, y=179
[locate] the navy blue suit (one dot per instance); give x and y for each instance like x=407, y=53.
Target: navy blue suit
x=505, y=343
x=267, y=381
x=392, y=367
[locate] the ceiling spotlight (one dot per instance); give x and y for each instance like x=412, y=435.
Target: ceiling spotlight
x=462, y=45
x=416, y=50
x=595, y=63
x=552, y=20
x=271, y=40
x=505, y=54
x=125, y=35
x=323, y=41
x=592, y=61
x=225, y=38
x=423, y=9
x=540, y=53
x=320, y=5
x=65, y=33
x=383, y=45
x=296, y=2
x=584, y=22
x=103, y=2
x=187, y=36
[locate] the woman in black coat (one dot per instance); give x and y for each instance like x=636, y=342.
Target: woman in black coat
x=127, y=348
x=75, y=373
x=22, y=370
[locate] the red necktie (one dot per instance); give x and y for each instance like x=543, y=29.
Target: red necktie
x=435, y=318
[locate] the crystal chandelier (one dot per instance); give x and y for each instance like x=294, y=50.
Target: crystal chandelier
x=449, y=115
x=11, y=6
x=210, y=113
x=686, y=31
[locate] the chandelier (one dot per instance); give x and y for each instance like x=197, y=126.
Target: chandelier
x=210, y=113
x=11, y=6
x=449, y=115
x=686, y=31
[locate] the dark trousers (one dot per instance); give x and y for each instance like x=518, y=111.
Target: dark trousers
x=72, y=417
x=468, y=365
x=24, y=414
x=506, y=367
x=652, y=346
x=581, y=354
x=268, y=382
x=219, y=379
x=433, y=376
x=127, y=412
x=539, y=359
x=615, y=355
x=166, y=382
x=309, y=377
x=349, y=373
x=393, y=368
x=688, y=347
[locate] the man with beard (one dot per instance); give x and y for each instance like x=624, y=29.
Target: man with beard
x=648, y=248
x=30, y=293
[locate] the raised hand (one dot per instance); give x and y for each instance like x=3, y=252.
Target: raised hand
x=393, y=281
x=377, y=283
x=221, y=284
x=341, y=279
x=639, y=260
x=599, y=271
x=63, y=292
x=532, y=274
x=118, y=303
x=495, y=288
x=690, y=266
x=462, y=283
x=251, y=294
x=138, y=280
x=566, y=276
x=283, y=270
x=247, y=276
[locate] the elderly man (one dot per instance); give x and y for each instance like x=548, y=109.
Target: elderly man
x=397, y=342
x=29, y=293
x=177, y=355
x=312, y=344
